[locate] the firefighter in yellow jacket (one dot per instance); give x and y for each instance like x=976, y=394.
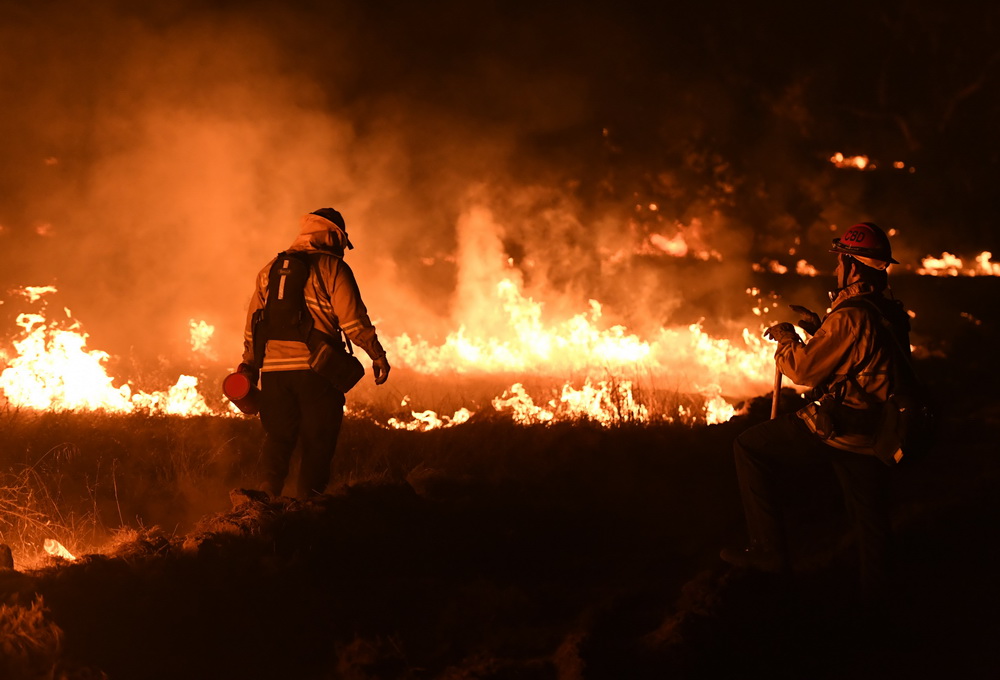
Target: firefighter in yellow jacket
x=298, y=405
x=848, y=362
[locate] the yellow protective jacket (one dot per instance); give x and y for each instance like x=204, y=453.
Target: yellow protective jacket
x=334, y=303
x=849, y=360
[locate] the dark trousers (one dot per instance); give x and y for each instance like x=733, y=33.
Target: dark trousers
x=769, y=451
x=298, y=407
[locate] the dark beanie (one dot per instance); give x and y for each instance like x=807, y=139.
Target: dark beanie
x=332, y=215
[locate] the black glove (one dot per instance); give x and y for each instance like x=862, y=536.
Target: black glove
x=810, y=321
x=380, y=367
x=251, y=373
x=784, y=333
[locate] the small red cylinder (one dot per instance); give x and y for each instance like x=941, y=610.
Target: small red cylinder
x=239, y=390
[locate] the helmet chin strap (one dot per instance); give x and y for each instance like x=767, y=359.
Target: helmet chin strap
x=843, y=275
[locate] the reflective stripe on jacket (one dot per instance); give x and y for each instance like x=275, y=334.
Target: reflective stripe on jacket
x=850, y=358
x=332, y=297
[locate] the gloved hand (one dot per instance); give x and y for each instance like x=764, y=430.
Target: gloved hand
x=380, y=367
x=251, y=373
x=810, y=321
x=784, y=333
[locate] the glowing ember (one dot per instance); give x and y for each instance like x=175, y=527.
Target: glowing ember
x=770, y=266
x=952, y=265
x=678, y=246
x=56, y=549
x=675, y=246
x=54, y=370
x=803, y=268
x=852, y=162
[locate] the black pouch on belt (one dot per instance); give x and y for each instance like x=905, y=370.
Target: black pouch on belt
x=336, y=364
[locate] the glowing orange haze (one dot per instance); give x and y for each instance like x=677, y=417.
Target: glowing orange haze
x=500, y=331
x=595, y=371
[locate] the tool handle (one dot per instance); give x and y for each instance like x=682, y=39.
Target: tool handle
x=776, y=393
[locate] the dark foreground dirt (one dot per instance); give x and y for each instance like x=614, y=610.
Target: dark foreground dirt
x=603, y=566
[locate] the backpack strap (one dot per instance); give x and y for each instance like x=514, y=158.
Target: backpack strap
x=316, y=338
x=903, y=373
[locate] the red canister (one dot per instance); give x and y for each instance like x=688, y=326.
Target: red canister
x=239, y=390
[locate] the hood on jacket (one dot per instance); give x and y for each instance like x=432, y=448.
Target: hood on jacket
x=319, y=233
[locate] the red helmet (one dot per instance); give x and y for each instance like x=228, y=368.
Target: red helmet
x=866, y=243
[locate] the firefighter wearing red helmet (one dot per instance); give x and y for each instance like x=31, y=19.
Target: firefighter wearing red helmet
x=867, y=244
x=848, y=363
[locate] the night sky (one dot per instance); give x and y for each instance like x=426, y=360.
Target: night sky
x=157, y=154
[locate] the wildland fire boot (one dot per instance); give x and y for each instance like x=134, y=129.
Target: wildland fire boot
x=758, y=557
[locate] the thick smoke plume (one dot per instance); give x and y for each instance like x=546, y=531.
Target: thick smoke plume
x=158, y=155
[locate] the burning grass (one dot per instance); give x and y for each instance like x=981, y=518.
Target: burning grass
x=539, y=370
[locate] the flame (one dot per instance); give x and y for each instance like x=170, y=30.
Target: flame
x=54, y=370
x=35, y=293
x=501, y=329
x=605, y=402
x=56, y=549
x=201, y=336
x=429, y=420
x=180, y=399
x=572, y=345
x=985, y=264
x=952, y=265
x=717, y=409
x=580, y=345
x=595, y=370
